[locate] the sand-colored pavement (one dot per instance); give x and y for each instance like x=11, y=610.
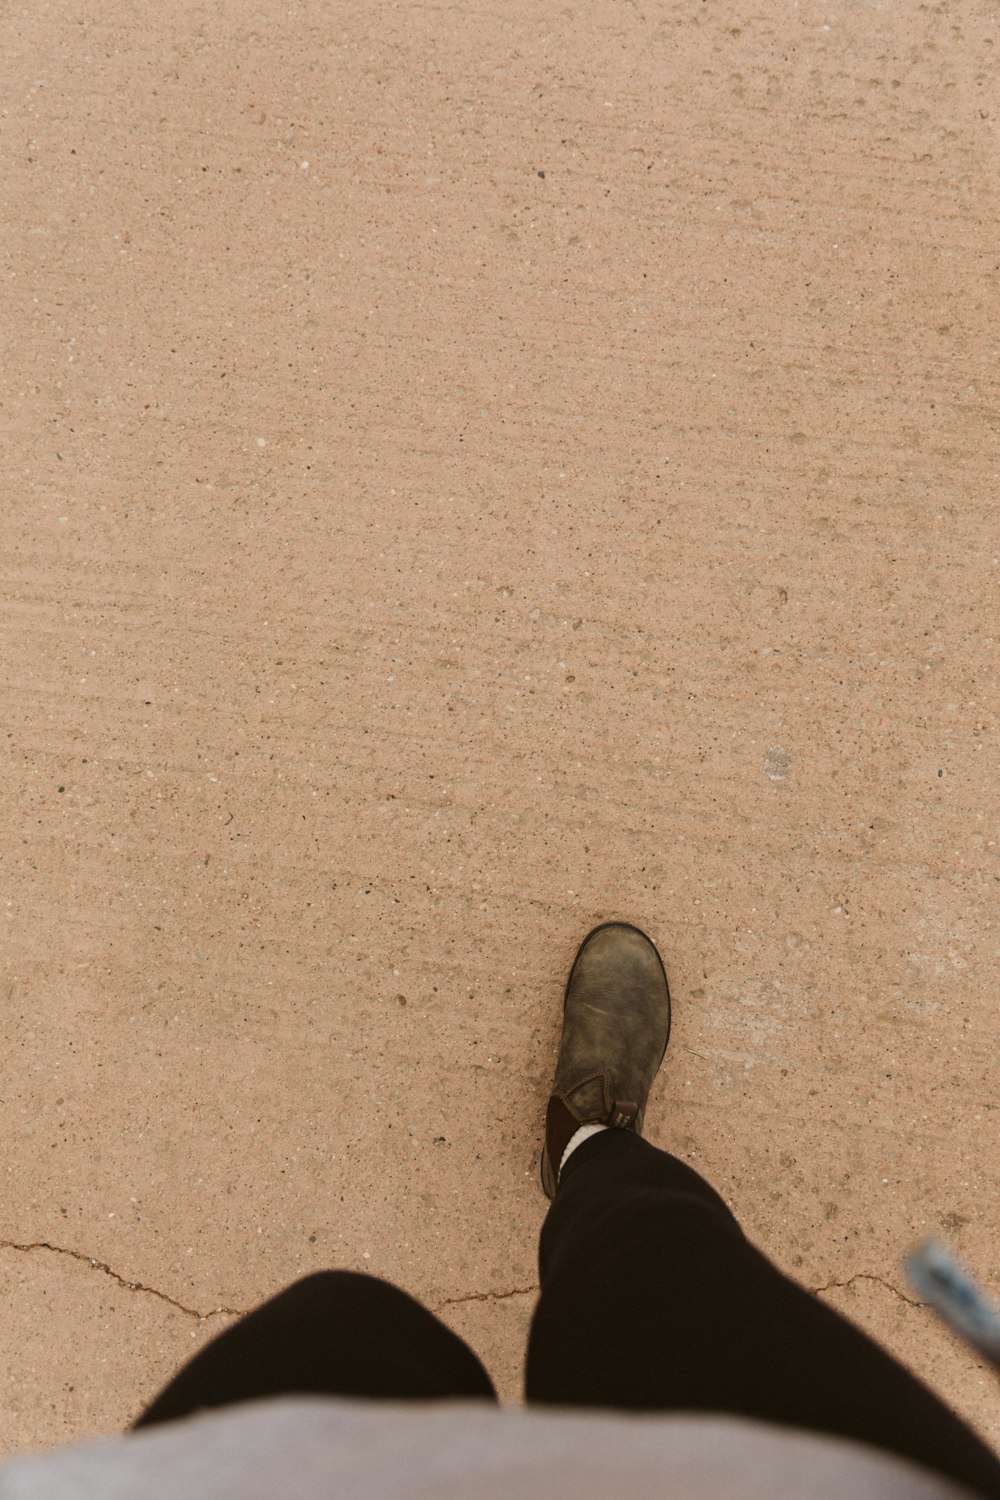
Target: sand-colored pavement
x=469, y=472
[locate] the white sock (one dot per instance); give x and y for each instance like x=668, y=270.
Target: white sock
x=583, y=1134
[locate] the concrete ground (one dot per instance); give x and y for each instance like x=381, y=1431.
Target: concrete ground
x=470, y=472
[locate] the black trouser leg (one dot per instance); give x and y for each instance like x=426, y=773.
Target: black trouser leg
x=335, y=1333
x=652, y=1299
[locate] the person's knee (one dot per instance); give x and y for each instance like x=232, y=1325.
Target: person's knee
x=319, y=1289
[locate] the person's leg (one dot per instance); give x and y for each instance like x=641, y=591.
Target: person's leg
x=334, y=1333
x=652, y=1299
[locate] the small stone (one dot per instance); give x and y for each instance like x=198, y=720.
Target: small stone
x=777, y=764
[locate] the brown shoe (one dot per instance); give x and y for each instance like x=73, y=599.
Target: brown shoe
x=616, y=1025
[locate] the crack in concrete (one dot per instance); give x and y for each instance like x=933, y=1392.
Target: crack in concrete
x=522, y=1291
x=868, y=1276
x=131, y=1286
x=228, y=1312
x=517, y=1291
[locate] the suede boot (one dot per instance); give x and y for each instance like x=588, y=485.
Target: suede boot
x=616, y=1025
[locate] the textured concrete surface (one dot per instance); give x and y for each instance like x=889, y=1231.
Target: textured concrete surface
x=469, y=472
